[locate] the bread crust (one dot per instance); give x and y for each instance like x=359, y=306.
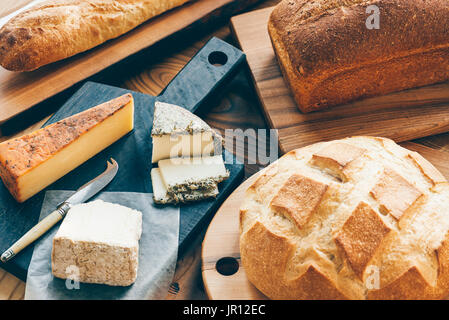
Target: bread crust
x=361, y=236
x=297, y=199
x=328, y=56
x=347, y=241
x=58, y=29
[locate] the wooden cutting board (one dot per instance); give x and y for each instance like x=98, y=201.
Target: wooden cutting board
x=401, y=116
x=223, y=275
x=19, y=91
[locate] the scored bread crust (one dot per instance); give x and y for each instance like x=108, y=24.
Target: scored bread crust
x=368, y=237
x=328, y=56
x=57, y=29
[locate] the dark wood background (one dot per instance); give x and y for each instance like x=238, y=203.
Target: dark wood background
x=149, y=72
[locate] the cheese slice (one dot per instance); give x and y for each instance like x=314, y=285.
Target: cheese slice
x=179, y=133
x=101, y=240
x=33, y=161
x=161, y=195
x=183, y=174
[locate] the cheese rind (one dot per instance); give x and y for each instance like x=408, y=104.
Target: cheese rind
x=183, y=174
x=179, y=133
x=172, y=119
x=33, y=161
x=161, y=195
x=98, y=242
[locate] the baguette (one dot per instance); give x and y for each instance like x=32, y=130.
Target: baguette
x=58, y=29
x=328, y=56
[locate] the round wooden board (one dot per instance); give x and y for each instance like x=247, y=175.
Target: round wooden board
x=222, y=241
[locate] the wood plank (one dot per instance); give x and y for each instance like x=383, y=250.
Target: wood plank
x=9, y=284
x=19, y=291
x=11, y=6
x=222, y=238
x=401, y=116
x=21, y=90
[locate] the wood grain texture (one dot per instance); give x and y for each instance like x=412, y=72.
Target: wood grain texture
x=222, y=238
x=11, y=287
x=21, y=91
x=401, y=116
x=11, y=6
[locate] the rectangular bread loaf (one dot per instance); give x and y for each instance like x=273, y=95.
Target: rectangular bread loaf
x=331, y=53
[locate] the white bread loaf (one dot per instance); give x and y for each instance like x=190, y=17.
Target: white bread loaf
x=358, y=218
x=330, y=55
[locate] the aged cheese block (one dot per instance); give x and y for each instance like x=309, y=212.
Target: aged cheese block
x=177, y=132
x=161, y=195
x=182, y=174
x=98, y=242
x=31, y=162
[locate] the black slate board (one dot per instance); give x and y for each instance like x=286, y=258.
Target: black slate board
x=189, y=89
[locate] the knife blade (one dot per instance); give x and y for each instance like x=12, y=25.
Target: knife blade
x=83, y=194
x=95, y=185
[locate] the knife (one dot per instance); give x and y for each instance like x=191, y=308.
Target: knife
x=83, y=194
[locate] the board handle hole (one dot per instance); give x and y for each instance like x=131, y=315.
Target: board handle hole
x=218, y=58
x=227, y=266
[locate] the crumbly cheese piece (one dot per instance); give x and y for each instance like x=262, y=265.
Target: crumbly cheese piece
x=179, y=133
x=31, y=162
x=99, y=242
x=182, y=174
x=161, y=195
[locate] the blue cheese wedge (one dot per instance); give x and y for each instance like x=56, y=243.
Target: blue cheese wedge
x=179, y=133
x=161, y=195
x=100, y=240
x=184, y=174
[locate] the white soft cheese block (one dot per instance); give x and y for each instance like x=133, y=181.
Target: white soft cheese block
x=179, y=133
x=183, y=174
x=101, y=241
x=161, y=195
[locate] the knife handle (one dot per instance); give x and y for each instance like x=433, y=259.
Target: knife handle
x=36, y=232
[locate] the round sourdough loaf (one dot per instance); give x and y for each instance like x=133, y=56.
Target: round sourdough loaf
x=358, y=218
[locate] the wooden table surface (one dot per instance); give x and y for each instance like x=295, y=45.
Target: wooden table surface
x=149, y=72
